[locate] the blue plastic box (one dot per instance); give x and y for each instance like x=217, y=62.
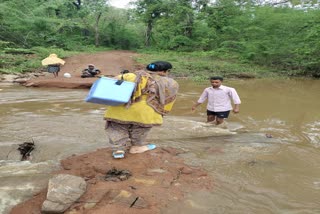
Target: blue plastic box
x=111, y=92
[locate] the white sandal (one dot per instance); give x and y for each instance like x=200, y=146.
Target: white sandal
x=118, y=154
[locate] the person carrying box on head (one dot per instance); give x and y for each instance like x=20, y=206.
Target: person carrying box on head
x=53, y=63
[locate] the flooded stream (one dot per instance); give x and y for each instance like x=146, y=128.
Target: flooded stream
x=252, y=173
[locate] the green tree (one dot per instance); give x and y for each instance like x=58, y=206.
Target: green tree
x=92, y=12
x=149, y=11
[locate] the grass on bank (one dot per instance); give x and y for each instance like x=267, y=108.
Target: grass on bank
x=195, y=65
x=201, y=65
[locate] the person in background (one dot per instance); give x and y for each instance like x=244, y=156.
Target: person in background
x=91, y=71
x=128, y=125
x=219, y=101
x=53, y=64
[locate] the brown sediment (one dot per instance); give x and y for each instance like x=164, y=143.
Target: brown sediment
x=158, y=177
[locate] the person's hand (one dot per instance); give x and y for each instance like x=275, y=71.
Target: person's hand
x=236, y=110
x=193, y=108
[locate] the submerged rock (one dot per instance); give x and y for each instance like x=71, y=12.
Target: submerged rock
x=25, y=150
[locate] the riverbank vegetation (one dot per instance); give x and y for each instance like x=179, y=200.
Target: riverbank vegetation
x=227, y=37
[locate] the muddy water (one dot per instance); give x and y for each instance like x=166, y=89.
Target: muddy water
x=252, y=173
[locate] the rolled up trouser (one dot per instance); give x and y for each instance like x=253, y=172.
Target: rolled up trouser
x=123, y=136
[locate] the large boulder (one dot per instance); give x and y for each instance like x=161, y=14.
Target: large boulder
x=63, y=191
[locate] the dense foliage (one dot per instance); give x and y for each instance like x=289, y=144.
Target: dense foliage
x=283, y=38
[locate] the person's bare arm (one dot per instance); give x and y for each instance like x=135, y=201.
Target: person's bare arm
x=195, y=106
x=202, y=98
x=236, y=100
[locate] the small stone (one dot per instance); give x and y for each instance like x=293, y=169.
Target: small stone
x=157, y=170
x=145, y=181
x=89, y=205
x=186, y=170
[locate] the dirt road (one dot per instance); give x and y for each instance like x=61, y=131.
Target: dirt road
x=110, y=63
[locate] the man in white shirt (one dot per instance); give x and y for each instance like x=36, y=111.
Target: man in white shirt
x=219, y=101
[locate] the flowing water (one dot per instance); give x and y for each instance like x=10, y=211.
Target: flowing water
x=252, y=173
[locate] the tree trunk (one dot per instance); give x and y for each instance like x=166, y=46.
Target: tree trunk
x=148, y=34
x=189, y=28
x=96, y=30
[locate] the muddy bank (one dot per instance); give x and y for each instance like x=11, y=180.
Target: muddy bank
x=110, y=63
x=158, y=178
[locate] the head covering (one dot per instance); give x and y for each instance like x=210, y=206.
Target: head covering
x=52, y=59
x=159, y=66
x=91, y=65
x=160, y=90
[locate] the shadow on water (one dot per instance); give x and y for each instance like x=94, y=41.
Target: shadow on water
x=253, y=173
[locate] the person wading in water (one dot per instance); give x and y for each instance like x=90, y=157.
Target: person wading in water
x=128, y=125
